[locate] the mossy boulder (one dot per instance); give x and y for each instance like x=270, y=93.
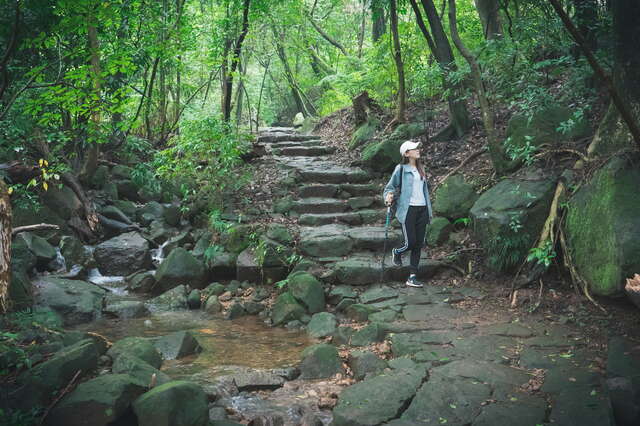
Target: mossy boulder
x=39, y=247
x=38, y=384
x=63, y=201
x=543, y=127
x=322, y=324
x=280, y=234
x=76, y=301
x=382, y=156
x=139, y=347
x=177, y=345
x=123, y=255
x=364, y=133
x=180, y=268
x=454, y=198
x=121, y=172
x=174, y=299
x=20, y=290
x=73, y=251
x=177, y=403
x=286, y=309
x=509, y=216
x=603, y=225
x=237, y=238
x=138, y=369
x=438, y=231
x=103, y=400
x=320, y=362
x=308, y=291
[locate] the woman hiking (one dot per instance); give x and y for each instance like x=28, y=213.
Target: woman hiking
x=408, y=188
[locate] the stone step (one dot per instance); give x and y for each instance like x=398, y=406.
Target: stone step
x=335, y=175
x=285, y=137
x=320, y=205
x=303, y=151
x=314, y=142
x=361, y=217
x=336, y=240
x=364, y=269
x=346, y=190
x=264, y=130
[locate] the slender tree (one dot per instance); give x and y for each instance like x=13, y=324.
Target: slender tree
x=488, y=11
x=5, y=246
x=397, y=57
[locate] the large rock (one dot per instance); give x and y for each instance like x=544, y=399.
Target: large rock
x=180, y=267
x=286, y=309
x=308, y=291
x=364, y=133
x=20, y=290
x=76, y=301
x=125, y=309
x=123, y=255
x=623, y=380
x=325, y=241
x=542, y=127
x=74, y=252
x=438, y=231
x=376, y=400
x=40, y=382
x=365, y=363
x=63, y=201
x=139, y=370
x=142, y=282
x=508, y=217
x=322, y=324
x=22, y=259
x=252, y=380
x=137, y=347
x=176, y=298
x=99, y=401
x=39, y=247
x=606, y=211
x=454, y=198
x=384, y=155
x=176, y=403
x=177, y=345
x=320, y=362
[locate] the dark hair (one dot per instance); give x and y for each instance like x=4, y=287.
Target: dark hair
x=419, y=166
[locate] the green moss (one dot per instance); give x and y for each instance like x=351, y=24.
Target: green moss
x=602, y=225
x=364, y=133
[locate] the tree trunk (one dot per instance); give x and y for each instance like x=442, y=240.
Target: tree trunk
x=490, y=18
x=5, y=246
x=91, y=157
x=378, y=21
x=228, y=78
x=619, y=128
x=363, y=26
x=586, y=17
x=498, y=157
x=397, y=57
x=441, y=50
x=363, y=107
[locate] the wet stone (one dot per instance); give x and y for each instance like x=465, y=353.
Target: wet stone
x=581, y=407
x=384, y=316
x=422, y=313
x=375, y=400
x=340, y=292
x=530, y=411
x=365, y=363
x=358, y=312
x=344, y=304
x=253, y=380
x=486, y=348
x=322, y=324
x=236, y=310
x=320, y=362
x=370, y=334
x=342, y=335
x=378, y=294
x=177, y=345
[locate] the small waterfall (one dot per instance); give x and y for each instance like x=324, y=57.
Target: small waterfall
x=58, y=264
x=156, y=254
x=114, y=283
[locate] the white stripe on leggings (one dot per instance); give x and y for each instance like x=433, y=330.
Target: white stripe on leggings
x=406, y=241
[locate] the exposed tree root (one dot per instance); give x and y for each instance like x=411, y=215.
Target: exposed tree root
x=36, y=227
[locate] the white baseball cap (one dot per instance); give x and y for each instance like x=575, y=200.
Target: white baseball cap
x=408, y=146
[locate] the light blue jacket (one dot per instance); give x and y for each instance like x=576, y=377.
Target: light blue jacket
x=407, y=188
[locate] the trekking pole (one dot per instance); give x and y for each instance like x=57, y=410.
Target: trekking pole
x=386, y=237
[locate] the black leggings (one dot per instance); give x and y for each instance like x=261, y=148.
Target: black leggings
x=413, y=229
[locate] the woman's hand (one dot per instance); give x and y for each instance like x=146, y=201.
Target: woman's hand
x=388, y=199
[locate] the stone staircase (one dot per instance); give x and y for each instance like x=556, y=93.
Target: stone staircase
x=340, y=211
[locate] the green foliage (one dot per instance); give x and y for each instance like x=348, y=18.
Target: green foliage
x=542, y=255
x=20, y=418
x=204, y=159
x=507, y=250
x=522, y=153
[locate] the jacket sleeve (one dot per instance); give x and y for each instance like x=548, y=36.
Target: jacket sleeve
x=394, y=183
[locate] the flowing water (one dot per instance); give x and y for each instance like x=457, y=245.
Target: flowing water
x=245, y=342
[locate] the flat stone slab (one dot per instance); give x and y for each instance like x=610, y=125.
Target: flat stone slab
x=320, y=205
x=284, y=137
x=356, y=218
x=429, y=312
x=252, y=380
x=509, y=330
x=327, y=190
x=310, y=151
x=410, y=343
x=378, y=294
x=376, y=400
x=486, y=348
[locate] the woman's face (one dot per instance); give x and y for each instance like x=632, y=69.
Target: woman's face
x=413, y=153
